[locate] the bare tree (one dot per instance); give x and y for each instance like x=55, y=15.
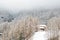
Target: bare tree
x=54, y=28
x=21, y=29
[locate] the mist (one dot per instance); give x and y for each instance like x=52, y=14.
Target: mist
x=16, y=5
x=36, y=8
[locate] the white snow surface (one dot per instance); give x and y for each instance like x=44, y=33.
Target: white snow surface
x=40, y=35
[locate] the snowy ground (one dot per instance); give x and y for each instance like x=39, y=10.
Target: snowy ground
x=40, y=35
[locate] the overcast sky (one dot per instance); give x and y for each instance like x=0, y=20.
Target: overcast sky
x=28, y=4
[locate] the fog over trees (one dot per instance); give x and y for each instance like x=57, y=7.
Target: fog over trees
x=5, y=16
x=43, y=14
x=10, y=20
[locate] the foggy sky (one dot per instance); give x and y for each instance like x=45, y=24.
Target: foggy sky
x=28, y=4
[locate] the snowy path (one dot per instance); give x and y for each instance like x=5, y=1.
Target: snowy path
x=40, y=35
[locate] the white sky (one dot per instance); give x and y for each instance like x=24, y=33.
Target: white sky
x=28, y=4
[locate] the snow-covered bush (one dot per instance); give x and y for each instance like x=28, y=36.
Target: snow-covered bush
x=54, y=28
x=20, y=29
x=3, y=26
